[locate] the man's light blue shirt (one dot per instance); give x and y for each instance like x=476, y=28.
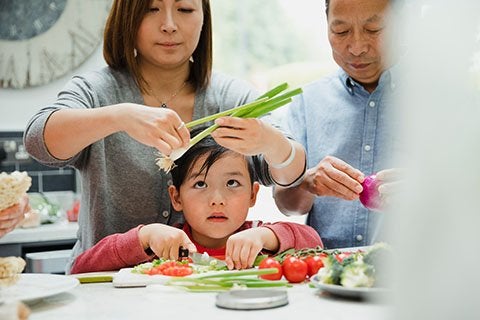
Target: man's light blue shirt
x=336, y=116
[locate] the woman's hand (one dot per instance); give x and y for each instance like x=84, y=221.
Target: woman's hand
x=243, y=247
x=253, y=137
x=164, y=240
x=161, y=128
x=249, y=136
x=334, y=177
x=12, y=216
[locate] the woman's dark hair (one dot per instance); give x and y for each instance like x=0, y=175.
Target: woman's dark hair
x=120, y=37
x=206, y=146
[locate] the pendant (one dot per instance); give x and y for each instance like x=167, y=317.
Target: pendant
x=164, y=105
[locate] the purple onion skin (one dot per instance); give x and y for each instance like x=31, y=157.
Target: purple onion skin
x=370, y=197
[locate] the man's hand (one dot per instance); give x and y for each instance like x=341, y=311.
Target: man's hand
x=334, y=177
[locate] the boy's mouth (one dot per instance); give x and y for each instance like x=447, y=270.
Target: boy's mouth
x=217, y=216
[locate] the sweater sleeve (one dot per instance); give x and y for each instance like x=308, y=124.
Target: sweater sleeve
x=294, y=235
x=113, y=252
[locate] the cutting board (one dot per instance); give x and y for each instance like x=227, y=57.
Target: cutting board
x=125, y=278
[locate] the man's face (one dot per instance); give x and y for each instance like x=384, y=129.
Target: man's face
x=356, y=30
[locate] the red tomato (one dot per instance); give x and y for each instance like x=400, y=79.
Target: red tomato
x=314, y=263
x=178, y=271
x=342, y=256
x=271, y=263
x=294, y=269
x=171, y=268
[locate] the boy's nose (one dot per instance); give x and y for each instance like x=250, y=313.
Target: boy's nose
x=217, y=198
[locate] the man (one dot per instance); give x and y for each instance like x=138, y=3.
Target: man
x=344, y=121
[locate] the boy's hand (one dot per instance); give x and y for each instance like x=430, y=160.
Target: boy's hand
x=164, y=240
x=243, y=247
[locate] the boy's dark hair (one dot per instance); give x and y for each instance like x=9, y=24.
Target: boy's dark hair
x=205, y=146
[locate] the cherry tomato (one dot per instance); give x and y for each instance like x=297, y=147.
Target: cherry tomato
x=314, y=263
x=342, y=256
x=271, y=263
x=294, y=269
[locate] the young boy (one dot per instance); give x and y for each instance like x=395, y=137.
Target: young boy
x=214, y=187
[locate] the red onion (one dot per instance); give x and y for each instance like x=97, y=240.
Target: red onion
x=370, y=197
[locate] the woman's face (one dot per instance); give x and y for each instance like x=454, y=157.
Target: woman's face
x=217, y=204
x=169, y=33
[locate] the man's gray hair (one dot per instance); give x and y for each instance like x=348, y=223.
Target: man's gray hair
x=327, y=4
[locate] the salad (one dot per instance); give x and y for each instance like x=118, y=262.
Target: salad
x=357, y=269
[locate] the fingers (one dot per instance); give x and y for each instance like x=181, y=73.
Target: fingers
x=10, y=218
x=164, y=240
x=391, y=174
x=334, y=177
x=174, y=137
x=240, y=254
x=390, y=188
x=347, y=169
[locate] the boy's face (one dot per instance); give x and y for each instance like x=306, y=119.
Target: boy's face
x=215, y=206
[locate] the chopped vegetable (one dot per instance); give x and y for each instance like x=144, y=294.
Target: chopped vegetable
x=175, y=268
x=266, y=103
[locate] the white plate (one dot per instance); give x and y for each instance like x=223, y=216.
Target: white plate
x=356, y=293
x=34, y=286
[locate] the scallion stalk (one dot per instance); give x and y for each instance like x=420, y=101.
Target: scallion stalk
x=266, y=103
x=227, y=280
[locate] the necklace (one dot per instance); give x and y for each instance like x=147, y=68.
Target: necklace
x=164, y=104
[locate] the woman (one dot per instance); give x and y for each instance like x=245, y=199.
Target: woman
x=109, y=124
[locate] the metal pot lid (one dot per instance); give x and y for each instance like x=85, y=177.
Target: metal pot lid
x=252, y=299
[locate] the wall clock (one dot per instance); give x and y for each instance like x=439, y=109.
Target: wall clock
x=42, y=40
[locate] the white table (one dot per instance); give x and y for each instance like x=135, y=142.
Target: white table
x=103, y=301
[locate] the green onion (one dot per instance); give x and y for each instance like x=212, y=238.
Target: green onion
x=227, y=280
x=266, y=103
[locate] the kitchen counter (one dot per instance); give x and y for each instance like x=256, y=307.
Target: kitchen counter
x=62, y=230
x=46, y=248
x=103, y=301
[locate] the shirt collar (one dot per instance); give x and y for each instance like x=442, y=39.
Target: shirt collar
x=386, y=78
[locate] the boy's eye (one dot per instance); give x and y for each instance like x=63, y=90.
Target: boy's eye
x=232, y=183
x=185, y=10
x=153, y=9
x=200, y=184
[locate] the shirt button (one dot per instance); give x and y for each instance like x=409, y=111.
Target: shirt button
x=371, y=104
x=165, y=214
x=359, y=237
x=368, y=148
